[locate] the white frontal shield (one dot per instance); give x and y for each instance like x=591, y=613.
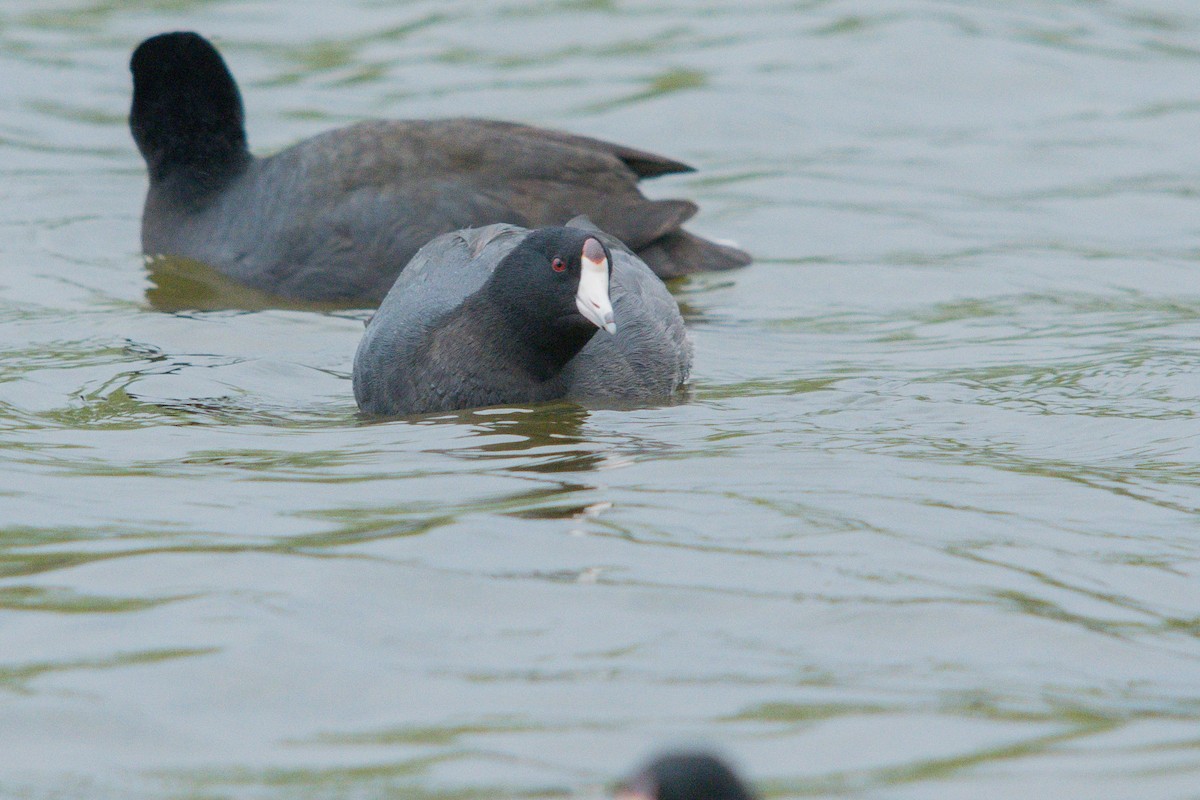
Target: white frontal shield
x=592, y=298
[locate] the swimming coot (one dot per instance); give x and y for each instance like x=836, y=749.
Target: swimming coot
x=685, y=776
x=503, y=314
x=335, y=217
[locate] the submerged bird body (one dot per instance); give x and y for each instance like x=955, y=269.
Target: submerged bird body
x=335, y=217
x=686, y=776
x=440, y=341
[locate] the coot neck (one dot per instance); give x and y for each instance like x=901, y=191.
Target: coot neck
x=194, y=142
x=538, y=344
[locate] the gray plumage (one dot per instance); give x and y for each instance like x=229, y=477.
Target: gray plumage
x=334, y=218
x=686, y=775
x=649, y=357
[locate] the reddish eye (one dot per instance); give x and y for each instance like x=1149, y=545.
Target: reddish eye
x=557, y=265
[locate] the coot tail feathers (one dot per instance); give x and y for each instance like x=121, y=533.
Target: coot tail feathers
x=642, y=222
x=682, y=253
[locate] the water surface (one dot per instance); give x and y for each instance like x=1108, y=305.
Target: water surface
x=926, y=528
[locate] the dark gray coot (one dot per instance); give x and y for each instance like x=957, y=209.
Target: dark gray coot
x=685, y=776
x=335, y=217
x=496, y=315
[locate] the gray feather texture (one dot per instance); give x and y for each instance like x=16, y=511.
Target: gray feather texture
x=335, y=218
x=649, y=358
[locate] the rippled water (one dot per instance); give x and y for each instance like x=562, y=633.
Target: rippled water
x=927, y=527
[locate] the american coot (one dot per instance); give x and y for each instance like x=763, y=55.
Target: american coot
x=685, y=776
x=335, y=217
x=502, y=314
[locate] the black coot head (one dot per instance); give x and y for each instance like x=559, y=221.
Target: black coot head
x=686, y=776
x=559, y=276
x=186, y=111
